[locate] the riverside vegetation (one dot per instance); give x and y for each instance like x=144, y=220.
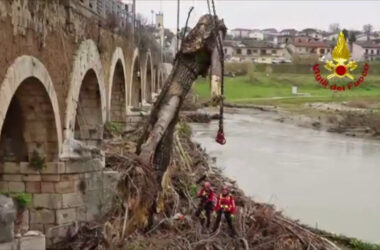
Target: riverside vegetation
x=355, y=112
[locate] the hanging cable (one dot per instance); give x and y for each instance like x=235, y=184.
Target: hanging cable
x=220, y=138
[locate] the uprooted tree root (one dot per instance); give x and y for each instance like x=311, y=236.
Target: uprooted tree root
x=130, y=226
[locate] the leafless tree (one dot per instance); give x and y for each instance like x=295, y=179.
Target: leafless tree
x=368, y=30
x=334, y=27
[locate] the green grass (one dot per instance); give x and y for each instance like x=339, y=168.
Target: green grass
x=360, y=245
x=258, y=88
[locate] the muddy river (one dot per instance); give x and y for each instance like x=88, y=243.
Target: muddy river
x=323, y=179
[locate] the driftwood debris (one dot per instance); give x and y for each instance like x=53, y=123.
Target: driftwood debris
x=192, y=60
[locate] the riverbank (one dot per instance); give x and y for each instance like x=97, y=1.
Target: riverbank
x=259, y=225
x=303, y=172
x=353, y=113
x=355, y=118
x=276, y=89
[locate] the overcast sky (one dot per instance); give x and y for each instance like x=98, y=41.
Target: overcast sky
x=278, y=14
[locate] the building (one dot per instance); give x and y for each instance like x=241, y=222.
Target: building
x=240, y=33
x=229, y=47
x=285, y=39
x=364, y=37
x=288, y=32
x=304, y=46
x=316, y=34
x=331, y=36
x=256, y=35
x=253, y=50
x=304, y=39
x=365, y=51
x=270, y=31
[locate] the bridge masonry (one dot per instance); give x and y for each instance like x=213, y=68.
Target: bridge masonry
x=64, y=73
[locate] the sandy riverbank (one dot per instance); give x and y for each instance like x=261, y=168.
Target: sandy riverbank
x=331, y=117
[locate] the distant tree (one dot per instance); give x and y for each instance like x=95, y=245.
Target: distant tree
x=142, y=20
x=351, y=39
x=345, y=33
x=334, y=27
x=367, y=29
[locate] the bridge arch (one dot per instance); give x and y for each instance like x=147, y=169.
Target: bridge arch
x=149, y=84
x=158, y=79
x=136, y=95
x=29, y=112
x=86, y=89
x=154, y=85
x=162, y=79
x=117, y=94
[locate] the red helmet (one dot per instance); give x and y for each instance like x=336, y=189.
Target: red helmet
x=226, y=188
x=207, y=184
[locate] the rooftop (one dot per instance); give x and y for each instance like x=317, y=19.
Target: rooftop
x=259, y=44
x=241, y=29
x=368, y=44
x=312, y=44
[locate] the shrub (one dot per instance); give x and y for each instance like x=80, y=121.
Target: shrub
x=36, y=161
x=238, y=68
x=360, y=245
x=113, y=128
x=305, y=59
x=23, y=200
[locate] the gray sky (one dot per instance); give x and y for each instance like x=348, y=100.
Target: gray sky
x=278, y=14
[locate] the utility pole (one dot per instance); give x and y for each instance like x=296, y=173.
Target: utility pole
x=178, y=9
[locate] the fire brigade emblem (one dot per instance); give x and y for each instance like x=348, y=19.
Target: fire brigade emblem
x=341, y=66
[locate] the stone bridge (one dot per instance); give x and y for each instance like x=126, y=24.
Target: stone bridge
x=66, y=71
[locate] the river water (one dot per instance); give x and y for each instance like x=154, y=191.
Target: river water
x=323, y=179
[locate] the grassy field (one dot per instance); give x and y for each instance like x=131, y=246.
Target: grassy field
x=275, y=89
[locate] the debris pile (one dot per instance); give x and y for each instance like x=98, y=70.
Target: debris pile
x=174, y=226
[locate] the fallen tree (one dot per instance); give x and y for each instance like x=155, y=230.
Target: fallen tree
x=155, y=145
x=147, y=188
x=193, y=60
x=160, y=178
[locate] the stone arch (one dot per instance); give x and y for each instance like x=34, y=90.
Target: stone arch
x=117, y=94
x=136, y=96
x=155, y=79
x=87, y=69
x=148, y=85
x=162, y=79
x=29, y=112
x=89, y=121
x=158, y=79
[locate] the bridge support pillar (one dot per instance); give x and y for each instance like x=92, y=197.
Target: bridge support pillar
x=63, y=194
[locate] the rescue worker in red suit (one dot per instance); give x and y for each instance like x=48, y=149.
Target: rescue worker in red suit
x=225, y=204
x=207, y=196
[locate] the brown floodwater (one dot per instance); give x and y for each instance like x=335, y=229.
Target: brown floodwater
x=325, y=180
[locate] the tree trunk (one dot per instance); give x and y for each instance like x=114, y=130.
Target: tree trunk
x=216, y=74
x=193, y=59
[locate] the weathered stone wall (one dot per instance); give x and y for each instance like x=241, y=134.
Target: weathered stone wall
x=63, y=74
x=30, y=122
x=62, y=193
